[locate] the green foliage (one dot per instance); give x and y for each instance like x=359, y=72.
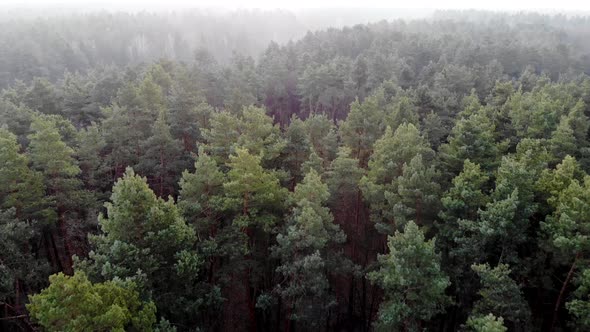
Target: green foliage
x=535, y=114
x=363, y=126
x=568, y=225
x=42, y=97
x=251, y=129
x=466, y=196
x=51, y=156
x=76, y=304
x=487, y=323
x=19, y=268
x=411, y=277
x=297, y=150
x=323, y=137
x=434, y=130
x=579, y=307
x=381, y=185
x=305, y=250
x=145, y=239
x=252, y=192
x=472, y=138
x=402, y=111
x=500, y=296
x=201, y=194
x=23, y=188
x=343, y=176
x=94, y=169
x=552, y=182
x=162, y=161
x=417, y=196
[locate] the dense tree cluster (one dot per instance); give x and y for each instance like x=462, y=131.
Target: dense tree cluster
x=430, y=174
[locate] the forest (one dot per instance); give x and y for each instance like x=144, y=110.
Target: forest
x=405, y=175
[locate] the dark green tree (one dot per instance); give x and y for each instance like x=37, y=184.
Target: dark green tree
x=411, y=277
x=306, y=249
x=73, y=303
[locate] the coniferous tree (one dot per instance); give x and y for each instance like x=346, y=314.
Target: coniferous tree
x=487, y=323
x=91, y=157
x=54, y=159
x=501, y=296
x=22, y=271
x=323, y=137
x=74, y=303
x=472, y=138
x=418, y=194
x=402, y=111
x=392, y=152
x=567, y=229
x=253, y=201
x=23, y=188
x=297, y=150
x=306, y=251
x=411, y=277
x=201, y=194
x=579, y=306
x=363, y=126
x=145, y=239
x=163, y=161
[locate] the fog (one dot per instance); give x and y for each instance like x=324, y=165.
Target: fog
x=302, y=4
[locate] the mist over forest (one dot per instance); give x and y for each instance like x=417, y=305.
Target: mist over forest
x=333, y=169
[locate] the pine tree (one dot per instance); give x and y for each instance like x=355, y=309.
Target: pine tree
x=163, y=161
x=501, y=296
x=553, y=181
x=259, y=135
x=434, y=130
x=54, y=159
x=466, y=196
x=252, y=129
x=43, y=97
x=457, y=237
x=323, y=137
x=145, y=239
x=122, y=142
x=579, y=306
x=21, y=269
x=567, y=229
x=23, y=189
x=252, y=192
x=79, y=105
x=412, y=280
x=487, y=323
x=402, y=111
x=392, y=152
x=76, y=304
x=563, y=141
x=90, y=154
x=297, y=150
x=418, y=194
x=472, y=138
x=305, y=250
x=189, y=115
x=363, y=126
x=253, y=202
x=200, y=195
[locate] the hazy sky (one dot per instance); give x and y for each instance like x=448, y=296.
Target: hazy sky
x=570, y=5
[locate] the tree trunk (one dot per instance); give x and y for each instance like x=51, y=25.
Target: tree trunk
x=288, y=318
x=67, y=260
x=562, y=291
x=162, y=168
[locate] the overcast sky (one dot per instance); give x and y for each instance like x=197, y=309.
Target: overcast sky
x=568, y=5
